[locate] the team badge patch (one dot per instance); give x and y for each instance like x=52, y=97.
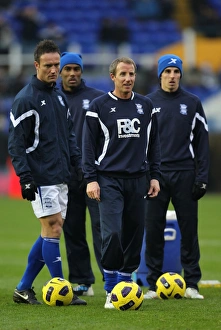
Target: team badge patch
x=183, y=109
x=139, y=108
x=47, y=202
x=61, y=100
x=85, y=104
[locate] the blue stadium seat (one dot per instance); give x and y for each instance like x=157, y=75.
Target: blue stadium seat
x=140, y=37
x=81, y=20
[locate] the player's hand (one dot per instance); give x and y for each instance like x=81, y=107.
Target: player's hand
x=199, y=190
x=154, y=188
x=28, y=190
x=93, y=190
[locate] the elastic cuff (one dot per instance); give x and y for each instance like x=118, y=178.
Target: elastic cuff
x=25, y=177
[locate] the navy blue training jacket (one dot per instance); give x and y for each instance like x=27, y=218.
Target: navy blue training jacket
x=78, y=101
x=183, y=132
x=42, y=142
x=120, y=138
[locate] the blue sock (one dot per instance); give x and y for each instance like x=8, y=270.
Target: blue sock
x=52, y=256
x=124, y=277
x=110, y=278
x=35, y=264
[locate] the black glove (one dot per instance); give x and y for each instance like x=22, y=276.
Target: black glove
x=199, y=190
x=28, y=190
x=81, y=180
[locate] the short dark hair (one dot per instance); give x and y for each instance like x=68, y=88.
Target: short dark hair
x=45, y=46
x=124, y=59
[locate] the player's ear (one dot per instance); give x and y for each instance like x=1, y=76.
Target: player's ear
x=112, y=76
x=36, y=64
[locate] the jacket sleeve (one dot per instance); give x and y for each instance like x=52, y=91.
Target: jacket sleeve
x=21, y=135
x=75, y=152
x=154, y=156
x=201, y=145
x=91, y=129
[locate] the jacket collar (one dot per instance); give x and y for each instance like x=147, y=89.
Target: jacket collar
x=75, y=90
x=41, y=84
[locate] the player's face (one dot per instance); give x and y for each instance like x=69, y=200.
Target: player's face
x=170, y=79
x=123, y=80
x=48, y=67
x=71, y=76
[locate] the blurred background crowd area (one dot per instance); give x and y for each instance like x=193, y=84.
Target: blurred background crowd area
x=103, y=30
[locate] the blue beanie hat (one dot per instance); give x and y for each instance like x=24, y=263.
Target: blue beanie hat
x=169, y=60
x=70, y=58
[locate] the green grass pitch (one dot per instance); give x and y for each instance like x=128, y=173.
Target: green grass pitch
x=19, y=229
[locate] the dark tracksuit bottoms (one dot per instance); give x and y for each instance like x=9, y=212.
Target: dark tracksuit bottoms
x=177, y=187
x=77, y=250
x=122, y=213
